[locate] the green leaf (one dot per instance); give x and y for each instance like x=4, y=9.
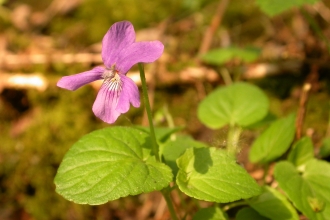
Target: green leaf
x=223, y=55
x=211, y=213
x=192, y=5
x=301, y=152
x=273, y=205
x=317, y=173
x=274, y=7
x=173, y=149
x=108, y=164
x=325, y=148
x=240, y=103
x=274, y=141
x=264, y=122
x=210, y=174
x=308, y=192
x=162, y=133
x=249, y=214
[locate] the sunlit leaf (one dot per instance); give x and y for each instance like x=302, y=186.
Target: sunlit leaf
x=211, y=213
x=274, y=7
x=309, y=192
x=274, y=141
x=173, y=149
x=273, y=205
x=223, y=55
x=249, y=214
x=240, y=103
x=108, y=164
x=162, y=133
x=317, y=173
x=210, y=174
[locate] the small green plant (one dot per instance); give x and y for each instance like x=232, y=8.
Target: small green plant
x=116, y=162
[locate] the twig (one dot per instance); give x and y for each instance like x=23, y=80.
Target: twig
x=21, y=60
x=153, y=75
x=39, y=82
x=226, y=76
x=23, y=81
x=160, y=209
x=216, y=21
x=323, y=10
x=302, y=109
x=311, y=83
x=207, y=40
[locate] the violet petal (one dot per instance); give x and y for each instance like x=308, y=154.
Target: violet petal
x=73, y=82
x=144, y=52
x=119, y=36
x=130, y=94
x=105, y=104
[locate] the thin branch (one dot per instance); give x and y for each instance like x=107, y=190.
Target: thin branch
x=302, y=109
x=216, y=21
x=23, y=81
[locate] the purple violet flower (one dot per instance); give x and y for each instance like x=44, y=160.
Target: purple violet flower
x=119, y=53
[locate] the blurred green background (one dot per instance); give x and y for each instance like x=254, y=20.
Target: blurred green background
x=38, y=126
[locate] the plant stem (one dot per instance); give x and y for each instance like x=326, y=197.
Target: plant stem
x=155, y=147
x=166, y=193
x=232, y=139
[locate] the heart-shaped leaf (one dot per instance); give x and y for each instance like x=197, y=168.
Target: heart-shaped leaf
x=273, y=205
x=173, y=149
x=317, y=173
x=274, y=141
x=238, y=104
x=108, y=164
x=210, y=174
x=309, y=192
x=302, y=151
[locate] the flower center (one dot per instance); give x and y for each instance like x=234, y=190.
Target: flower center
x=110, y=73
x=112, y=79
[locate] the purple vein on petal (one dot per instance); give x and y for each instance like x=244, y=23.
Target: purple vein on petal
x=129, y=94
x=106, y=102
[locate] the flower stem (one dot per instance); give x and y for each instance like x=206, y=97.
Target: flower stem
x=166, y=193
x=155, y=147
